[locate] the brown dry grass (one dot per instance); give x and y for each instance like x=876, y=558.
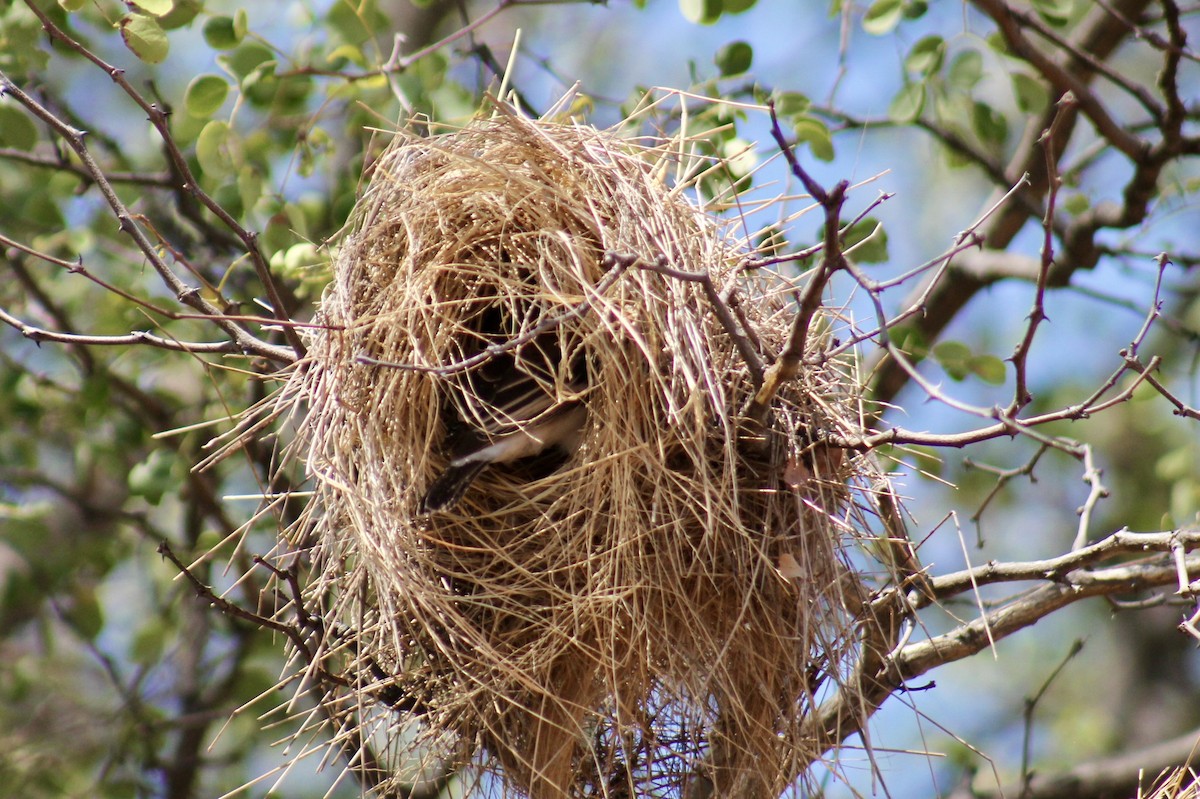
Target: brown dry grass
x=662, y=610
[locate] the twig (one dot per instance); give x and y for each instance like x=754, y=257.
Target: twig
x=736, y=328
x=787, y=365
x=158, y=180
x=38, y=335
x=1096, y=492
x=158, y=119
x=184, y=293
x=1037, y=314
x=230, y=609
x=1031, y=704
x=1003, y=476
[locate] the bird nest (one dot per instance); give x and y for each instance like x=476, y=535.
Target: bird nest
x=658, y=607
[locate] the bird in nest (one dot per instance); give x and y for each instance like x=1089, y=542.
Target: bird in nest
x=522, y=405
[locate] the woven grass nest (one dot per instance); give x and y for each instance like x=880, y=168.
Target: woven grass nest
x=660, y=610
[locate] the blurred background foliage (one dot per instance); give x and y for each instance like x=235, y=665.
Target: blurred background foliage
x=115, y=681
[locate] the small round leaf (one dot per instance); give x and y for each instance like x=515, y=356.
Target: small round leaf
x=966, y=69
x=220, y=34
x=182, y=14
x=989, y=124
x=1030, y=92
x=212, y=149
x=926, y=55
x=1056, y=12
x=204, y=95
x=882, y=16
x=789, y=104
x=908, y=104
x=988, y=368
x=954, y=357
x=155, y=8
x=815, y=134
x=734, y=58
x=16, y=129
x=701, y=12
x=145, y=38
x=866, y=242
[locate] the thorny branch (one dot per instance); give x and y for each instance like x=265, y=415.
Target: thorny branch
x=1072, y=71
x=1070, y=578
x=187, y=295
x=1037, y=314
x=887, y=660
x=75, y=140
x=787, y=364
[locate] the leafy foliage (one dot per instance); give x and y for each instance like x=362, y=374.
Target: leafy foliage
x=170, y=173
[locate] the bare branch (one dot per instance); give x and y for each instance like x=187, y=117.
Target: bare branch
x=1064, y=82
x=1126, y=774
x=1098, y=36
x=187, y=295
x=38, y=335
x=157, y=180
x=158, y=118
x=1037, y=314
x=787, y=365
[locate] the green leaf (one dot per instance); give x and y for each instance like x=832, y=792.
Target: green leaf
x=989, y=124
x=182, y=14
x=966, y=69
x=882, y=16
x=152, y=478
x=869, y=240
x=1055, y=12
x=815, y=134
x=220, y=33
x=149, y=642
x=347, y=52
x=250, y=186
x=72, y=5
x=738, y=6
x=16, y=129
x=954, y=357
x=212, y=149
x=229, y=197
x=355, y=21
x=1177, y=464
x=1075, y=204
x=915, y=9
x=1030, y=92
x=989, y=368
x=789, y=104
x=907, y=104
x=84, y=613
x=701, y=12
x=739, y=156
x=734, y=58
x=241, y=24
x=996, y=41
x=926, y=55
x=155, y=8
x=204, y=95
x=145, y=38
x=246, y=59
